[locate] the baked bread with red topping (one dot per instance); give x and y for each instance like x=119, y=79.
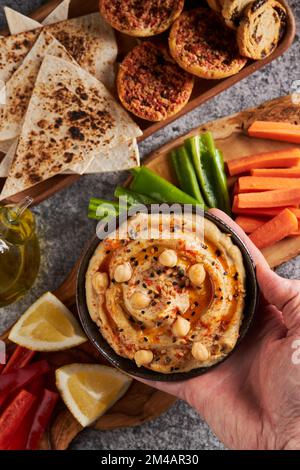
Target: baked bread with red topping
x=151, y=85
x=202, y=45
x=141, y=18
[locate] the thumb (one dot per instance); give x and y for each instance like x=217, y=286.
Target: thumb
x=282, y=293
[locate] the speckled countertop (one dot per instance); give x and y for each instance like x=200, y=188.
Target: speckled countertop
x=64, y=228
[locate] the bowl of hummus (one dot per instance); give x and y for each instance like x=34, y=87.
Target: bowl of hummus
x=166, y=296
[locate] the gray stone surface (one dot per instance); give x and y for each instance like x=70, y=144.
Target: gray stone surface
x=63, y=229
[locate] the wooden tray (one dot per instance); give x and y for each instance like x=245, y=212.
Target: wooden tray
x=203, y=90
x=141, y=403
x=231, y=138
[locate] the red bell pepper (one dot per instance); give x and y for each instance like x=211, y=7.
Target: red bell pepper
x=12, y=418
x=41, y=418
x=13, y=381
x=21, y=357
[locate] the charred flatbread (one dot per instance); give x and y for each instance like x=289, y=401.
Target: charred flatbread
x=19, y=87
x=151, y=85
x=261, y=28
x=89, y=39
x=145, y=18
x=121, y=157
x=13, y=50
x=202, y=45
x=70, y=118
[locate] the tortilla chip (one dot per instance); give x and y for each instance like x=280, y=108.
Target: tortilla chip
x=71, y=117
x=19, y=87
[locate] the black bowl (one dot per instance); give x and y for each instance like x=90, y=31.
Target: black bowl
x=129, y=366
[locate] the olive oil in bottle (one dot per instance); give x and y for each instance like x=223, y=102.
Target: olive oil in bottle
x=19, y=251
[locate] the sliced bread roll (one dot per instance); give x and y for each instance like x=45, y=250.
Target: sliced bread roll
x=232, y=11
x=261, y=28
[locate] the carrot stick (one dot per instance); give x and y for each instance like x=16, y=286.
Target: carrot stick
x=264, y=212
x=283, y=131
x=277, y=172
x=249, y=224
x=281, y=226
x=279, y=159
x=277, y=198
x=247, y=184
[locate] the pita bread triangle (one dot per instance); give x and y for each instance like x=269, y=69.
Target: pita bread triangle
x=18, y=23
x=60, y=13
x=70, y=117
x=20, y=85
x=89, y=39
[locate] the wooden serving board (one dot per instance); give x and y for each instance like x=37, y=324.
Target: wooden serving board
x=231, y=137
x=141, y=403
x=203, y=90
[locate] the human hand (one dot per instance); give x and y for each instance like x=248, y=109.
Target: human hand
x=252, y=400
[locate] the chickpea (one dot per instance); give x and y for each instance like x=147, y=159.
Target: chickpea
x=143, y=357
x=100, y=281
x=123, y=272
x=181, y=327
x=139, y=300
x=197, y=274
x=200, y=352
x=168, y=258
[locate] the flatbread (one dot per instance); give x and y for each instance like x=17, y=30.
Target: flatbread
x=122, y=157
x=18, y=23
x=60, y=13
x=92, y=43
x=89, y=39
x=19, y=87
x=71, y=116
x=13, y=50
x=5, y=145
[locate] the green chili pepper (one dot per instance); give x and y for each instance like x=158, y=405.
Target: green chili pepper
x=185, y=173
x=132, y=197
x=203, y=168
x=222, y=179
x=218, y=172
x=145, y=181
x=100, y=208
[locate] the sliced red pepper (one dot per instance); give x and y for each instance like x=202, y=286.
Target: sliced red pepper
x=37, y=386
x=41, y=418
x=21, y=357
x=12, y=418
x=12, y=381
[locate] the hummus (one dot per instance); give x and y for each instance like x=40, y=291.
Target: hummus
x=171, y=304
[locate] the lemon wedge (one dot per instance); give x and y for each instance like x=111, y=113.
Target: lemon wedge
x=88, y=390
x=47, y=326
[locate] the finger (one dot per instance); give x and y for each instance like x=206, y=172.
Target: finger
x=283, y=293
x=255, y=253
